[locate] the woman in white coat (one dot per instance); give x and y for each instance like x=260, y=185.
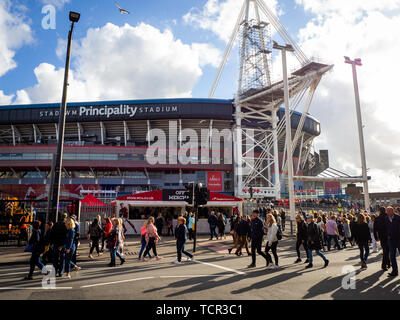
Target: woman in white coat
x=272, y=241
x=371, y=230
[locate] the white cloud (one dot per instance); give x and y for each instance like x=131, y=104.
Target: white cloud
x=220, y=16
x=125, y=62
x=14, y=33
x=57, y=3
x=5, y=99
x=364, y=29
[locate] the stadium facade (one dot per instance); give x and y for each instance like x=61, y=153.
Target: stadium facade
x=106, y=145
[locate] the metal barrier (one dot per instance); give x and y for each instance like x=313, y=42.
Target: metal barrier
x=89, y=213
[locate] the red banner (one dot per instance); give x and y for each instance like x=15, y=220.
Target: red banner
x=215, y=181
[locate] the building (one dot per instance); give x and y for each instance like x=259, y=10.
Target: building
x=107, y=147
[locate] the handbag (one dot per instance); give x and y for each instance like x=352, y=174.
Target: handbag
x=279, y=234
x=29, y=248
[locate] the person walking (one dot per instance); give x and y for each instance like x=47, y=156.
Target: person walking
x=191, y=226
x=380, y=233
x=212, y=221
x=393, y=235
x=243, y=230
x=347, y=231
x=69, y=246
x=23, y=229
x=103, y=227
x=152, y=238
x=313, y=242
x=272, y=229
x=257, y=234
x=332, y=232
x=301, y=237
x=371, y=229
x=221, y=225
x=143, y=240
x=159, y=223
x=37, y=246
x=57, y=240
x=47, y=253
x=95, y=233
x=362, y=237
x=283, y=218
x=181, y=236
x=114, y=240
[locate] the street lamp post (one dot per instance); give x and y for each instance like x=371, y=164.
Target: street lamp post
x=354, y=64
x=54, y=190
x=284, y=49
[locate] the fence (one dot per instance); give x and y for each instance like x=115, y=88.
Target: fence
x=89, y=212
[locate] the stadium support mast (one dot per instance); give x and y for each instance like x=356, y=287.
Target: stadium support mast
x=258, y=100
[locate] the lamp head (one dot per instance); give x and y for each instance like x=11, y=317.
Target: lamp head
x=74, y=16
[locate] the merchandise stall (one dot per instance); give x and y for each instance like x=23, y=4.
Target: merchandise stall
x=135, y=209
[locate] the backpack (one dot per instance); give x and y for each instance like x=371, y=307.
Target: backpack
x=279, y=233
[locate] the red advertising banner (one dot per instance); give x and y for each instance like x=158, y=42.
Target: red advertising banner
x=332, y=187
x=215, y=181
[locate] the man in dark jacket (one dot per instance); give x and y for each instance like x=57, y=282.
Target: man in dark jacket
x=256, y=234
x=57, y=239
x=301, y=236
x=212, y=221
x=380, y=234
x=393, y=232
x=283, y=218
x=313, y=241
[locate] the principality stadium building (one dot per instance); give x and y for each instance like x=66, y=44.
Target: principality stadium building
x=107, y=147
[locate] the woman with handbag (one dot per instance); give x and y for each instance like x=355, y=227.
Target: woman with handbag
x=114, y=241
x=35, y=245
x=95, y=233
x=152, y=238
x=272, y=229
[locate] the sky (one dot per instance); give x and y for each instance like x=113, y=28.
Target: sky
x=172, y=49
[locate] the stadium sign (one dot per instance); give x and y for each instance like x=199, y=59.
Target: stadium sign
x=81, y=112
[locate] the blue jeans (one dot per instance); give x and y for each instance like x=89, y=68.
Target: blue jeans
x=364, y=250
x=180, y=246
x=335, y=238
x=114, y=252
x=68, y=260
x=144, y=244
x=310, y=255
x=213, y=232
x=393, y=246
x=35, y=261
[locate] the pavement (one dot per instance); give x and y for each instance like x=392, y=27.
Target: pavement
x=213, y=275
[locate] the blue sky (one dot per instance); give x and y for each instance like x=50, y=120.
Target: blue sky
x=158, y=13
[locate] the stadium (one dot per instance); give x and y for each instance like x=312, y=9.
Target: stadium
x=106, y=144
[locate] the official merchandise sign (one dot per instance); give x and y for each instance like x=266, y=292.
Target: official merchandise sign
x=174, y=195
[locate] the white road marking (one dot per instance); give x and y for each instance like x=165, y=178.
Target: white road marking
x=220, y=267
x=198, y=276
x=115, y=282
x=12, y=274
x=35, y=288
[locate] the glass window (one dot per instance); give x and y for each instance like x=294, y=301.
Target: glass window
x=69, y=156
x=82, y=156
x=29, y=156
x=110, y=156
x=43, y=156
x=96, y=156
x=16, y=156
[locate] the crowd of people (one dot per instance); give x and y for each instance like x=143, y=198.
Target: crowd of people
x=315, y=233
